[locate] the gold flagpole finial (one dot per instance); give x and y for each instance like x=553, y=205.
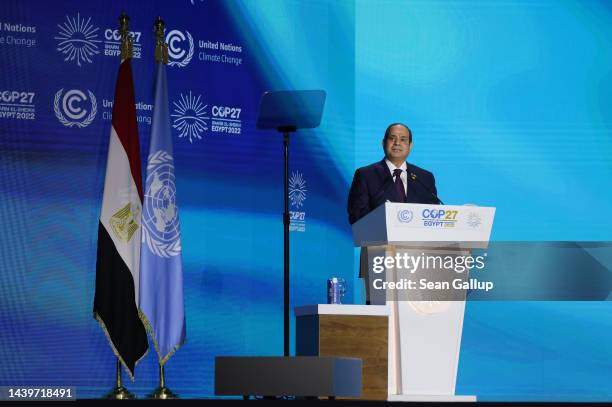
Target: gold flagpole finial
x=161, y=48
x=126, y=39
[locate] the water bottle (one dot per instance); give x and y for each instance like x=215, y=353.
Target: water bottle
x=336, y=287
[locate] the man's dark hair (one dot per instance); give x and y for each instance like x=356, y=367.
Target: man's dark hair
x=398, y=124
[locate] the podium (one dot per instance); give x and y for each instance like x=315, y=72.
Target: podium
x=424, y=330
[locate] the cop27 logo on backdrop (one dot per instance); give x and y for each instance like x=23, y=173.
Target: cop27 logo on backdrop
x=190, y=117
x=297, y=196
x=160, y=214
x=112, y=43
x=297, y=189
x=180, y=48
x=78, y=40
x=75, y=108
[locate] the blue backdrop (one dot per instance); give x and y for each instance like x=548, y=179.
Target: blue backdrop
x=509, y=104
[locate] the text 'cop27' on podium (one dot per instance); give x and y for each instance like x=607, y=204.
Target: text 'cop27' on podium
x=424, y=330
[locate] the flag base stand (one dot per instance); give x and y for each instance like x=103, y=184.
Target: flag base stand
x=119, y=392
x=162, y=392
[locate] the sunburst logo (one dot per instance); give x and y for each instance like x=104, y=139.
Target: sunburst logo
x=297, y=189
x=190, y=118
x=78, y=40
x=474, y=220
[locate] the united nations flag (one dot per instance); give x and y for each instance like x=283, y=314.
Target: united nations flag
x=161, y=274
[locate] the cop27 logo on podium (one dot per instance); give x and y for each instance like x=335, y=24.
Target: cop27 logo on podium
x=180, y=48
x=74, y=108
x=404, y=215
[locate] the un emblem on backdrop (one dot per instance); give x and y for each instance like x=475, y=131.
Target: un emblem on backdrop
x=78, y=40
x=180, y=48
x=74, y=108
x=160, y=215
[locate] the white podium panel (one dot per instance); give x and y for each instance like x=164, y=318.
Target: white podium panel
x=429, y=362
x=417, y=224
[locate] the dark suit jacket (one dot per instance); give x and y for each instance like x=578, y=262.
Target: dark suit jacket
x=373, y=185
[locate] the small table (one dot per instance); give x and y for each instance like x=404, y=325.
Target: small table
x=357, y=331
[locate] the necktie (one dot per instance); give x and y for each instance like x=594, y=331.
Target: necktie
x=399, y=185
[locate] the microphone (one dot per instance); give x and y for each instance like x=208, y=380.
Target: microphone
x=414, y=177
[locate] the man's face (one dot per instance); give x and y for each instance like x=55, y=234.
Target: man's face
x=397, y=145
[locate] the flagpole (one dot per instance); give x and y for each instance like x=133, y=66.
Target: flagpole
x=120, y=392
x=162, y=392
x=161, y=57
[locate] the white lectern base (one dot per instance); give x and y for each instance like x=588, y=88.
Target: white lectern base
x=430, y=398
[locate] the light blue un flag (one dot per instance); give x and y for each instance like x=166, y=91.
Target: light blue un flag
x=161, y=272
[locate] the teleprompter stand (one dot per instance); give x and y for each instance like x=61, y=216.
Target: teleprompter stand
x=306, y=376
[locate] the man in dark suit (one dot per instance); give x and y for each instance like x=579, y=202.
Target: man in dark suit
x=391, y=179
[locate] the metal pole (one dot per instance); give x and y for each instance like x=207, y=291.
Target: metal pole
x=119, y=374
x=162, y=392
x=119, y=392
x=162, y=381
x=286, y=244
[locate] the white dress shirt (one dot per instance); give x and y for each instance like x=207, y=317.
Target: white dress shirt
x=403, y=175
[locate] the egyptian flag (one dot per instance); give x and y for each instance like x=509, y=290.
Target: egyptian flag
x=119, y=231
